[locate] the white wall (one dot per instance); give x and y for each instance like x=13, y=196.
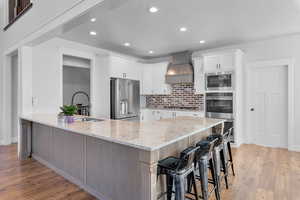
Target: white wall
x=44, y=16
x=101, y=88
x=287, y=47
x=47, y=76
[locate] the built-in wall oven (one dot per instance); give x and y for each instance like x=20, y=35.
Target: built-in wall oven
x=219, y=81
x=219, y=105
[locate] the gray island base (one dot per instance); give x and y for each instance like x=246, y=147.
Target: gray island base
x=112, y=160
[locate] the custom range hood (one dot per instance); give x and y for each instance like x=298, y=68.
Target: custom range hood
x=180, y=69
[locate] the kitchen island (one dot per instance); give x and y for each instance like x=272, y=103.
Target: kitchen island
x=111, y=159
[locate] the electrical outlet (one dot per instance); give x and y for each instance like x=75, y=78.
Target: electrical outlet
x=34, y=101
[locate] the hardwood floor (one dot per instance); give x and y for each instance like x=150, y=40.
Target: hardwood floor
x=30, y=180
x=262, y=174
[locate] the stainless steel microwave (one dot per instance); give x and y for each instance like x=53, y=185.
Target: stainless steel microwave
x=219, y=81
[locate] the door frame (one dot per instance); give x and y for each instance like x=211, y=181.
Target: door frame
x=291, y=97
x=81, y=54
x=6, y=103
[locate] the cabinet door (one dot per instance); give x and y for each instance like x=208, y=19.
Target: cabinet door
x=147, y=81
x=147, y=115
x=189, y=114
x=122, y=68
x=199, y=82
x=211, y=63
x=157, y=115
x=134, y=71
x=158, y=75
x=227, y=62
x=117, y=68
x=166, y=114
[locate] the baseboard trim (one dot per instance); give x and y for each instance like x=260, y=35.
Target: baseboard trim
x=14, y=140
x=71, y=178
x=235, y=145
x=4, y=143
x=295, y=148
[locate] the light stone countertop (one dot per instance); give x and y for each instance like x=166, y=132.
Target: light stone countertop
x=149, y=136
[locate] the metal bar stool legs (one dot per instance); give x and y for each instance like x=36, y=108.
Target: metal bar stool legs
x=180, y=185
x=169, y=182
x=230, y=157
x=179, y=170
x=206, y=161
x=203, y=172
x=224, y=161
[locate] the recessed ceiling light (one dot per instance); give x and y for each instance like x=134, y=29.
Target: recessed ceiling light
x=127, y=44
x=153, y=9
x=202, y=41
x=151, y=52
x=93, y=33
x=183, y=29
x=93, y=19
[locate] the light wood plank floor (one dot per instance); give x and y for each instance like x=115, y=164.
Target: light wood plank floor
x=262, y=174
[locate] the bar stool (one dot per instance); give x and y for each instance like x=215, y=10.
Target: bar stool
x=220, y=153
x=223, y=154
x=178, y=170
x=205, y=160
x=228, y=145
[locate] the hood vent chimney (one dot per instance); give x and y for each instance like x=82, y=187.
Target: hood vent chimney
x=180, y=69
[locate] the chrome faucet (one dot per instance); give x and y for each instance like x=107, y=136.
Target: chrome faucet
x=84, y=110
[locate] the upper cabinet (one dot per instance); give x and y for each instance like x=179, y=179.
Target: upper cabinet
x=199, y=81
x=147, y=81
x=153, y=79
x=219, y=62
x=123, y=68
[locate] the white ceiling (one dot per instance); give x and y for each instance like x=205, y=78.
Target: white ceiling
x=218, y=22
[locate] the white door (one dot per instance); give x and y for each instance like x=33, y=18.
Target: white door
x=268, y=117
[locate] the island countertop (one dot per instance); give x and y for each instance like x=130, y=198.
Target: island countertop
x=149, y=136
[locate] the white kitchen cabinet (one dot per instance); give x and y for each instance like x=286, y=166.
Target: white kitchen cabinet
x=189, y=114
x=153, y=81
x=123, y=68
x=227, y=61
x=219, y=62
x=147, y=80
x=199, y=77
x=211, y=63
x=147, y=115
x=154, y=114
x=167, y=114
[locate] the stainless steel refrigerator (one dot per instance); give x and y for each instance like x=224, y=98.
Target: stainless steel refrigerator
x=125, y=98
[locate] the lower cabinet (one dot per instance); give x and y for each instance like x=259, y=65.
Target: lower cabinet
x=153, y=114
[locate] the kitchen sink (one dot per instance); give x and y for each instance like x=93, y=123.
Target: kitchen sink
x=90, y=119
